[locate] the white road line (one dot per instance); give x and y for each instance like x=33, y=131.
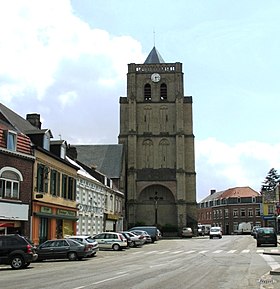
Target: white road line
x=189, y=252
x=163, y=252
x=245, y=251
x=260, y=251
x=217, y=252
x=176, y=252
x=271, y=262
x=202, y=252
x=274, y=250
x=231, y=251
x=151, y=252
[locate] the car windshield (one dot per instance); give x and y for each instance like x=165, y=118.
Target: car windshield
x=215, y=230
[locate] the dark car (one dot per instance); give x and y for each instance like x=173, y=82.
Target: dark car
x=151, y=230
x=266, y=235
x=16, y=251
x=62, y=249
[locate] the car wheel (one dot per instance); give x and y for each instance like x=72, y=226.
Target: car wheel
x=116, y=247
x=275, y=245
x=17, y=262
x=210, y=237
x=72, y=256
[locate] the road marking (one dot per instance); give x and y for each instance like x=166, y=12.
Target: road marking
x=245, y=251
x=274, y=250
x=163, y=252
x=203, y=252
x=260, y=251
x=231, y=251
x=271, y=262
x=176, y=252
x=189, y=252
x=218, y=251
x=151, y=252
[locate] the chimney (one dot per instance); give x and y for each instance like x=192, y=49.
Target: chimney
x=72, y=152
x=34, y=119
x=213, y=191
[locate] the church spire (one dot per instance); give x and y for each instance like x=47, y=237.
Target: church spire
x=154, y=57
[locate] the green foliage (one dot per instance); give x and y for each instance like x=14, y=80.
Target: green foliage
x=169, y=228
x=271, y=181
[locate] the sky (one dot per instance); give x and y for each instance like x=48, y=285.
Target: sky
x=67, y=60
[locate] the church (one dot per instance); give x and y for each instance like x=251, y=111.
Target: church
x=156, y=131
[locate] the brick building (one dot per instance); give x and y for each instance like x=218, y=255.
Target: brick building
x=231, y=207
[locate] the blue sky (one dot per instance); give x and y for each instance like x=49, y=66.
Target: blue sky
x=67, y=60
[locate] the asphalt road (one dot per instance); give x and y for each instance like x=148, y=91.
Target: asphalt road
x=231, y=262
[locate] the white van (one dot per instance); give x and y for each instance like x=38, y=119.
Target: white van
x=215, y=232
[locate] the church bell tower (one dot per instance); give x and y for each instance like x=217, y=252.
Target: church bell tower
x=156, y=129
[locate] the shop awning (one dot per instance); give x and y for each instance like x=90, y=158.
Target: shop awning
x=7, y=224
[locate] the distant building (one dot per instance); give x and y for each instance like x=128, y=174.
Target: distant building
x=231, y=207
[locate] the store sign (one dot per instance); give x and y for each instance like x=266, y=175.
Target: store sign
x=66, y=213
x=46, y=210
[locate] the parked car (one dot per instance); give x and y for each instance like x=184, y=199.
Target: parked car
x=16, y=251
x=187, y=232
x=215, y=232
x=63, y=249
x=111, y=240
x=266, y=235
x=147, y=237
x=136, y=240
x=128, y=239
x=151, y=230
x=254, y=231
x=87, y=240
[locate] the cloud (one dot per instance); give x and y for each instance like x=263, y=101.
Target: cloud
x=241, y=164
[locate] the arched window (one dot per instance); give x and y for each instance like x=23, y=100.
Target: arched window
x=148, y=153
x=9, y=183
x=163, y=91
x=147, y=92
x=163, y=152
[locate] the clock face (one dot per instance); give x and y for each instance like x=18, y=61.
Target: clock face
x=155, y=77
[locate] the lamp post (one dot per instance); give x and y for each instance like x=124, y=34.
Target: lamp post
x=156, y=198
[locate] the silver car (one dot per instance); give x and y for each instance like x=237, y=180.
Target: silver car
x=111, y=240
x=88, y=241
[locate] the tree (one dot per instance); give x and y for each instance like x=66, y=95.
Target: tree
x=269, y=185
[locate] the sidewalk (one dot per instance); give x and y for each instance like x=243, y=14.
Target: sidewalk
x=275, y=271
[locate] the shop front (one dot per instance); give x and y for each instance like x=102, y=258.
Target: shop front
x=52, y=222
x=13, y=218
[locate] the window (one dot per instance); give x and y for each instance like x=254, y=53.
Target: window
x=257, y=212
x=42, y=178
x=147, y=92
x=11, y=140
x=270, y=209
x=235, y=213
x=55, y=183
x=242, y=212
x=250, y=212
x=226, y=213
x=163, y=91
x=64, y=186
x=9, y=184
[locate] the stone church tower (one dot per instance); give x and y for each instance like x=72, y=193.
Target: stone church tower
x=156, y=129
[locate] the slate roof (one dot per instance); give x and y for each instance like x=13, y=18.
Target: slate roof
x=18, y=122
x=238, y=192
x=106, y=158
x=154, y=57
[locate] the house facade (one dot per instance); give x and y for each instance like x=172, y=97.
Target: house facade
x=16, y=167
x=229, y=208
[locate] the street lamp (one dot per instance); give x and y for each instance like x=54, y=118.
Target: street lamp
x=156, y=198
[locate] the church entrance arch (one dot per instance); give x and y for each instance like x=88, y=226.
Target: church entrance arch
x=156, y=206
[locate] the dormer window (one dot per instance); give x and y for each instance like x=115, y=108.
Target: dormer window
x=11, y=140
x=46, y=144
x=147, y=92
x=163, y=91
